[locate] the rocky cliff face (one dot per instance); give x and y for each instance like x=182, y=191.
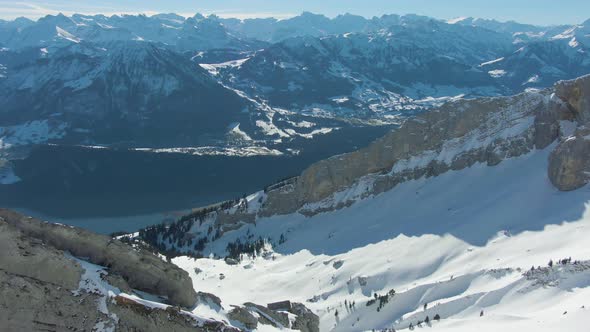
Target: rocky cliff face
x=569, y=163
x=36, y=284
x=455, y=136
x=141, y=270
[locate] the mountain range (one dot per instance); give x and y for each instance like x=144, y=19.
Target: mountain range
x=396, y=173
x=166, y=81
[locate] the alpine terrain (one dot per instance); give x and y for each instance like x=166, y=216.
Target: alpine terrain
x=271, y=166
x=470, y=216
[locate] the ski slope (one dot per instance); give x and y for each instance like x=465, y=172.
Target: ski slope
x=462, y=242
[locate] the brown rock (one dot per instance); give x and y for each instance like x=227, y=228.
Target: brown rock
x=141, y=269
x=569, y=163
x=576, y=93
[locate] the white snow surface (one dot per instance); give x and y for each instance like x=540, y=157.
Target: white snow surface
x=213, y=68
x=491, y=62
x=61, y=33
x=461, y=242
x=497, y=73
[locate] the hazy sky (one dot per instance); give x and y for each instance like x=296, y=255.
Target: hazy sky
x=526, y=11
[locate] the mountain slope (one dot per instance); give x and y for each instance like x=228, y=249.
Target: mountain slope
x=134, y=92
x=461, y=239
x=450, y=211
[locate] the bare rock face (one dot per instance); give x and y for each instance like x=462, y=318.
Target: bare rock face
x=268, y=316
x=209, y=299
x=576, y=93
x=42, y=289
x=569, y=163
x=141, y=270
x=547, y=123
x=31, y=258
x=36, y=284
x=243, y=316
x=306, y=320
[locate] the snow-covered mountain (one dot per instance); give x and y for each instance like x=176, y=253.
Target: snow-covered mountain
x=537, y=64
x=401, y=69
x=278, y=79
x=196, y=33
x=472, y=215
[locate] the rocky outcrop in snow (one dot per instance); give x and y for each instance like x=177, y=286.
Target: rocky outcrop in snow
x=141, y=270
x=251, y=315
x=44, y=289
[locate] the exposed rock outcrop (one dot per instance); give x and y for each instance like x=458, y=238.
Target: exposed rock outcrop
x=576, y=93
x=141, y=270
x=209, y=299
x=569, y=163
x=251, y=315
x=243, y=316
x=36, y=285
x=268, y=316
x=45, y=289
x=306, y=320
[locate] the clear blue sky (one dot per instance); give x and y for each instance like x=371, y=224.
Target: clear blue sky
x=526, y=11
